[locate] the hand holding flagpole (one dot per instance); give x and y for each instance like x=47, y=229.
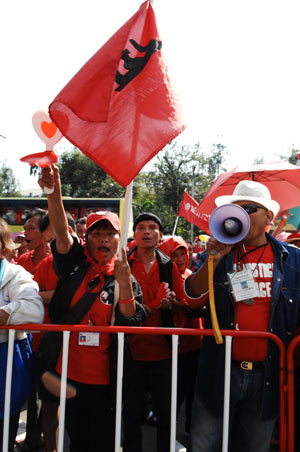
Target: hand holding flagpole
x=48, y=132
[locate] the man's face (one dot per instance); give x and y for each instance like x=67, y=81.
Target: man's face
x=258, y=220
x=180, y=258
x=33, y=235
x=190, y=250
x=81, y=230
x=147, y=234
x=103, y=238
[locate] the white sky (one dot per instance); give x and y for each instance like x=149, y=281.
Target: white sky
x=234, y=63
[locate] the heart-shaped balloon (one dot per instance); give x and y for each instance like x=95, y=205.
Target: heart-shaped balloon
x=46, y=129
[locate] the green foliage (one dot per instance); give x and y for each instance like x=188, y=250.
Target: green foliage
x=9, y=185
x=159, y=191
x=82, y=178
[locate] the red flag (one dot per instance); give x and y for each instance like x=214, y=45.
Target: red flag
x=120, y=109
x=188, y=210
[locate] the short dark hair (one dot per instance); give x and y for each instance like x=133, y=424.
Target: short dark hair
x=147, y=216
x=44, y=222
x=81, y=220
x=35, y=212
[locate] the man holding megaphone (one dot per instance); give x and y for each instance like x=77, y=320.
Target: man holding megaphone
x=256, y=283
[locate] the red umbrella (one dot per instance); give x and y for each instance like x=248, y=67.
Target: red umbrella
x=281, y=178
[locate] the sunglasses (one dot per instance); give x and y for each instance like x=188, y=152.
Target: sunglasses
x=251, y=208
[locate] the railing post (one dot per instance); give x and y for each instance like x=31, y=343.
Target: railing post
x=174, y=392
x=62, y=409
x=9, y=365
x=228, y=341
x=119, y=391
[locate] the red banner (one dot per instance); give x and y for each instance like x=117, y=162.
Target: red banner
x=120, y=109
x=188, y=210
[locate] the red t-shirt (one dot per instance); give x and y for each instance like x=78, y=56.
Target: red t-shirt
x=46, y=278
x=255, y=317
x=25, y=260
x=152, y=347
x=90, y=364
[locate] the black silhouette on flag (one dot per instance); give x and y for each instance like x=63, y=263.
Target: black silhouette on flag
x=137, y=64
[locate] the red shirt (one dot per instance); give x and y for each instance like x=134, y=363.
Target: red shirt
x=255, y=317
x=90, y=364
x=26, y=261
x=148, y=347
x=46, y=278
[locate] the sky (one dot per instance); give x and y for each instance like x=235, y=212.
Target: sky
x=234, y=64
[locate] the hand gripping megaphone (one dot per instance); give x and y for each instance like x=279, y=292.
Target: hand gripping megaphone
x=229, y=223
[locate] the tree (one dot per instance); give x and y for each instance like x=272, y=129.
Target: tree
x=82, y=178
x=9, y=185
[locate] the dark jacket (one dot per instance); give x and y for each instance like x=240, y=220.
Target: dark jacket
x=284, y=317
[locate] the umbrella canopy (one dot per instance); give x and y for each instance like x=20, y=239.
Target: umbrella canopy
x=281, y=178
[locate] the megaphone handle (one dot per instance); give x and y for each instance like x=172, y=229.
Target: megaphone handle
x=213, y=314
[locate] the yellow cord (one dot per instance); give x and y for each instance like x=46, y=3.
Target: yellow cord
x=213, y=314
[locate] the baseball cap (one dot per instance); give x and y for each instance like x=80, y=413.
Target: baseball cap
x=293, y=237
x=103, y=215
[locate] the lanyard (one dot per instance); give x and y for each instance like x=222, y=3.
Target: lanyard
x=241, y=257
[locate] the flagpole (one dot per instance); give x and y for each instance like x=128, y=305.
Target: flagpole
x=126, y=216
x=175, y=225
x=124, y=234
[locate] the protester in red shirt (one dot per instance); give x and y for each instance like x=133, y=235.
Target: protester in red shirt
x=256, y=288
x=38, y=248
x=163, y=294
x=92, y=268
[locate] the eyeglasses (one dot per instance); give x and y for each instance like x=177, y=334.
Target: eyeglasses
x=252, y=208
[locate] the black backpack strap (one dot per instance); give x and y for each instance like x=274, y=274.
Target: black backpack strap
x=83, y=305
x=165, y=265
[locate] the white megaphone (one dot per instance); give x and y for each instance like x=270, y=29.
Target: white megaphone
x=229, y=223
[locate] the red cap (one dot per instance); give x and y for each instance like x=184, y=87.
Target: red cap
x=293, y=237
x=103, y=215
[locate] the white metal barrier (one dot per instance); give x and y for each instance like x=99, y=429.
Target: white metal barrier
x=120, y=332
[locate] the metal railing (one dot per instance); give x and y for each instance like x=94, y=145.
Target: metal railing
x=175, y=332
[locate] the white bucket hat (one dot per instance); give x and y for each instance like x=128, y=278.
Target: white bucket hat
x=248, y=190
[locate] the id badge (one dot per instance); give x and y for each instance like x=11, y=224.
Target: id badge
x=89, y=339
x=243, y=285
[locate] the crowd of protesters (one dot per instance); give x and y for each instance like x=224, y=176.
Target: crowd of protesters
x=68, y=276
